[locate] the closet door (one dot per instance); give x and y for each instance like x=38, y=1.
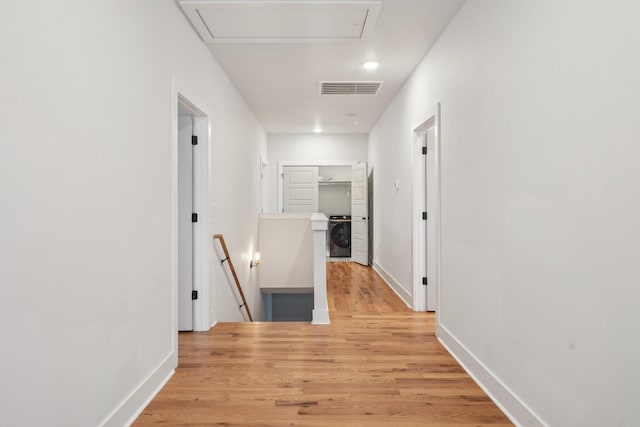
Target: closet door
x=185, y=223
x=300, y=189
x=359, y=215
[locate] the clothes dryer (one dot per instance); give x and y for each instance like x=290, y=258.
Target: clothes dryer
x=340, y=236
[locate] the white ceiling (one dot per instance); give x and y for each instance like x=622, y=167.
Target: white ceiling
x=277, y=65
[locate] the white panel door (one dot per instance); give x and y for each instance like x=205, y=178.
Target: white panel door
x=430, y=203
x=300, y=189
x=359, y=215
x=185, y=226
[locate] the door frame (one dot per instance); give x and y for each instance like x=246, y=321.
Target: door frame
x=182, y=94
x=431, y=120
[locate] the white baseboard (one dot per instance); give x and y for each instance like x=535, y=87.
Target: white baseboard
x=133, y=405
x=320, y=317
x=516, y=410
x=393, y=284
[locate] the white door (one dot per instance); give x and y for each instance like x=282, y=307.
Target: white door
x=426, y=212
x=185, y=224
x=430, y=194
x=359, y=215
x=300, y=189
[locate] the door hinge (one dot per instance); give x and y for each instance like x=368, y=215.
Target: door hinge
x=194, y=139
x=424, y=150
x=424, y=216
x=194, y=217
x=194, y=295
x=424, y=281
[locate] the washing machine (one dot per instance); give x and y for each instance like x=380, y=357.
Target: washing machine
x=339, y=236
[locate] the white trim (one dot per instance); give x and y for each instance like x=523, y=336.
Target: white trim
x=395, y=286
x=126, y=412
x=282, y=164
x=319, y=225
x=181, y=93
x=320, y=317
x=429, y=120
x=512, y=406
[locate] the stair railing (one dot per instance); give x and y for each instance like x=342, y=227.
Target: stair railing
x=233, y=272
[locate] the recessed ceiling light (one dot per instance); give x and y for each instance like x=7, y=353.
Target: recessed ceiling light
x=317, y=129
x=370, y=65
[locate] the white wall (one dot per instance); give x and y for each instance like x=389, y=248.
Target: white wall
x=334, y=195
x=85, y=184
x=335, y=198
x=315, y=148
x=540, y=177
x=286, y=250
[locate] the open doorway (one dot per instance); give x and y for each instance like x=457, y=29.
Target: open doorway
x=190, y=177
x=187, y=216
x=337, y=189
x=426, y=207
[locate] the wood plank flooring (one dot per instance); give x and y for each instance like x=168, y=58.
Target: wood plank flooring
x=377, y=364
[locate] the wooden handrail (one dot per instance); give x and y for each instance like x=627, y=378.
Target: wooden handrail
x=233, y=271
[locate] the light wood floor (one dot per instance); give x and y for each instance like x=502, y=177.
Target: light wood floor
x=377, y=364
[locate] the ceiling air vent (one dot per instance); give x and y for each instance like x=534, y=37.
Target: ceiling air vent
x=349, y=88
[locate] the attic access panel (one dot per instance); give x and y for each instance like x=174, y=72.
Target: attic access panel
x=278, y=21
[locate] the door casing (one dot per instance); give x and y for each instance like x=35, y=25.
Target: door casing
x=429, y=123
x=182, y=94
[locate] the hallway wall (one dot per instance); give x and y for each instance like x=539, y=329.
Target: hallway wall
x=540, y=177
x=85, y=186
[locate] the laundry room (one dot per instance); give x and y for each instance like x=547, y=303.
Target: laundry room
x=334, y=190
x=313, y=173
x=334, y=200
x=321, y=150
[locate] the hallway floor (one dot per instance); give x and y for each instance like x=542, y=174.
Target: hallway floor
x=377, y=364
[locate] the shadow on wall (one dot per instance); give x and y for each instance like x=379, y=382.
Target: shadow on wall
x=370, y=202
